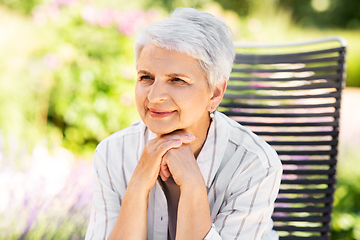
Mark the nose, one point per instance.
(157, 92)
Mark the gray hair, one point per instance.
(199, 35)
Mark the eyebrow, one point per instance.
(144, 72)
(171, 75)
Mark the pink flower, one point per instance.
(130, 21)
(63, 2)
(51, 61)
(89, 14)
(106, 17)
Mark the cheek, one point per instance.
(201, 97)
(140, 96)
(195, 103)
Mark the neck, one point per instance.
(200, 138)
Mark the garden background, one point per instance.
(66, 82)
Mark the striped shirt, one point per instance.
(241, 171)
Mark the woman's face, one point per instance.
(172, 92)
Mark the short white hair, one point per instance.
(197, 34)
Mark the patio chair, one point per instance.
(289, 94)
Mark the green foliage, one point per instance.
(76, 84)
(91, 95)
(353, 57)
(330, 13)
(346, 214)
(307, 13)
(23, 6)
(244, 8)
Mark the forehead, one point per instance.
(158, 59)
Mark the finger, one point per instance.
(164, 169)
(166, 146)
(163, 177)
(181, 135)
(187, 138)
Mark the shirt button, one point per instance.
(161, 218)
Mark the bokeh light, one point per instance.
(320, 5)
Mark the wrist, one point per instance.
(193, 186)
(138, 188)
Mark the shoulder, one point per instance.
(246, 140)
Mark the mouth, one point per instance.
(160, 113)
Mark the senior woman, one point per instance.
(184, 170)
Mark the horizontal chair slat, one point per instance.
(332, 161)
(339, 50)
(310, 172)
(241, 59)
(290, 124)
(292, 88)
(335, 76)
(302, 219)
(300, 134)
(330, 68)
(305, 96)
(331, 152)
(329, 190)
(259, 106)
(305, 200)
(282, 115)
(303, 143)
(304, 238)
(326, 209)
(302, 229)
(308, 181)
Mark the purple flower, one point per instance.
(30, 221)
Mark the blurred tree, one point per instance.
(319, 13)
(24, 6)
(241, 7)
(324, 13)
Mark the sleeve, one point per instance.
(106, 201)
(248, 204)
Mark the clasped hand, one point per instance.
(165, 155)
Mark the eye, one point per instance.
(177, 80)
(145, 78)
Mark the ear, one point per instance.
(217, 95)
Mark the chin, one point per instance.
(161, 130)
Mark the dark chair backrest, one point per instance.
(289, 94)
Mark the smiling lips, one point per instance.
(159, 113)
